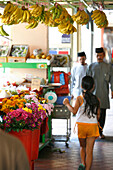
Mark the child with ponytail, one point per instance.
(87, 110)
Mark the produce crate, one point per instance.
(18, 53)
(4, 52)
(3, 59)
(48, 62)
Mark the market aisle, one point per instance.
(51, 159)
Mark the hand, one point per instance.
(72, 97)
(65, 101)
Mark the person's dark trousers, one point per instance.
(102, 120)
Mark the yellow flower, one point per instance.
(20, 106)
(27, 110)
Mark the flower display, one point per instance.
(32, 98)
(23, 112)
(15, 102)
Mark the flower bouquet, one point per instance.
(43, 104)
(22, 113)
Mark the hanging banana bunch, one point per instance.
(25, 15)
(12, 16)
(59, 14)
(99, 18)
(61, 18)
(36, 10)
(81, 17)
(67, 28)
(56, 11)
(8, 10)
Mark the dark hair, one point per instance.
(92, 103)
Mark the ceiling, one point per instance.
(95, 4)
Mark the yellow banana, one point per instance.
(15, 13)
(33, 6)
(61, 26)
(96, 15)
(103, 17)
(11, 8)
(96, 11)
(30, 25)
(28, 16)
(34, 25)
(77, 14)
(24, 17)
(69, 27)
(36, 11)
(7, 7)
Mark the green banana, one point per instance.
(34, 25)
(51, 9)
(3, 32)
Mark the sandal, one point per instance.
(81, 167)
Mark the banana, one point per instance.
(15, 13)
(95, 15)
(30, 25)
(70, 26)
(28, 16)
(51, 9)
(8, 8)
(96, 11)
(77, 14)
(33, 6)
(24, 17)
(11, 8)
(103, 17)
(81, 17)
(34, 25)
(99, 18)
(36, 11)
(3, 32)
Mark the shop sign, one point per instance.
(66, 38)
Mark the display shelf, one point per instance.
(23, 65)
(27, 65)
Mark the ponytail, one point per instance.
(92, 104)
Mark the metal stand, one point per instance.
(61, 112)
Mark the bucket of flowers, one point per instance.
(22, 117)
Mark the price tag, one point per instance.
(35, 84)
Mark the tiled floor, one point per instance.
(57, 156)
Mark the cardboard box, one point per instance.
(3, 59)
(18, 53)
(4, 52)
(16, 59)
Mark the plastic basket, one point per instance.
(61, 98)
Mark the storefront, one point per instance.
(47, 51)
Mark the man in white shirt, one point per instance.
(77, 73)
